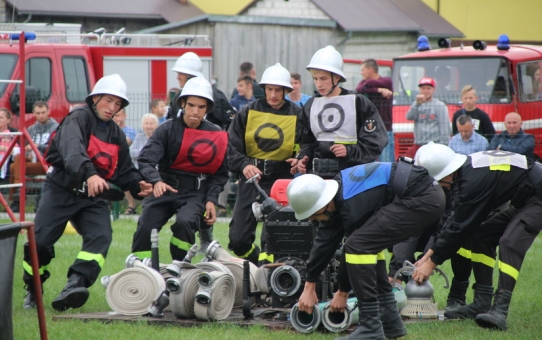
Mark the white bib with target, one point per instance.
(334, 119)
(498, 160)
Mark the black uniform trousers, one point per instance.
(389, 225)
(514, 231)
(243, 223)
(187, 205)
(89, 216)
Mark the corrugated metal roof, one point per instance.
(368, 15)
(387, 15)
(169, 10)
(222, 7)
(433, 24)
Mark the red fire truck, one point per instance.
(505, 76)
(61, 69)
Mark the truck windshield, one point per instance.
(7, 63)
(489, 76)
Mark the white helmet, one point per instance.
(276, 75)
(439, 160)
(309, 193)
(189, 63)
(111, 84)
(198, 87)
(328, 59)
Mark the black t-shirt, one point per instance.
(482, 122)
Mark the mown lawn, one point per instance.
(524, 319)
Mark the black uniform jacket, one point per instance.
(161, 151)
(369, 145)
(350, 215)
(237, 156)
(477, 192)
(67, 152)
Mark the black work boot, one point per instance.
(481, 304)
(74, 294)
(456, 297)
(389, 315)
(205, 237)
(29, 298)
(369, 325)
(496, 317)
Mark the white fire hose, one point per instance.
(236, 268)
(132, 290)
(183, 291)
(214, 299)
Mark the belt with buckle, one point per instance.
(184, 182)
(325, 165)
(270, 167)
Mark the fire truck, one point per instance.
(61, 69)
(505, 76)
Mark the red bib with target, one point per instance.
(104, 156)
(201, 151)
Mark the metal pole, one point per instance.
(22, 126)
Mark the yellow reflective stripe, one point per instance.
(147, 254)
(266, 257)
(361, 259)
(180, 244)
(86, 256)
(244, 256)
(500, 167)
(380, 256)
(483, 259)
(28, 268)
(465, 253)
(508, 269)
(352, 143)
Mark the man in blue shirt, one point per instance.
(467, 141)
(513, 139)
(244, 93)
(296, 96)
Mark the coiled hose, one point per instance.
(214, 299)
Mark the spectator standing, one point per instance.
(513, 139)
(467, 141)
(481, 121)
(296, 96)
(379, 90)
(247, 69)
(40, 132)
(158, 108)
(149, 123)
(430, 116)
(244, 93)
(120, 119)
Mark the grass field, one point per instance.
(524, 319)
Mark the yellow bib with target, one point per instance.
(498, 160)
(270, 136)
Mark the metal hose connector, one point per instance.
(337, 322)
(132, 291)
(304, 322)
(183, 291)
(215, 297)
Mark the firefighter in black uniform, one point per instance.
(374, 205)
(87, 151)
(342, 128)
(483, 182)
(261, 141)
(185, 160)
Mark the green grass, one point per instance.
(524, 318)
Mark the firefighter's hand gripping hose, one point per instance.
(214, 300)
(132, 291)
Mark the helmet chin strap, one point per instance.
(332, 83)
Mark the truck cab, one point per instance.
(506, 78)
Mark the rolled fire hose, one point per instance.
(236, 268)
(133, 290)
(304, 322)
(183, 291)
(214, 299)
(338, 322)
(261, 279)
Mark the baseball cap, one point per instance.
(427, 81)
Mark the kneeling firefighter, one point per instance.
(375, 206)
(483, 182)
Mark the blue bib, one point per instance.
(363, 177)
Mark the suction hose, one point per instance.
(337, 322)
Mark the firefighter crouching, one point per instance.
(185, 160)
(87, 151)
(375, 206)
(485, 181)
(261, 141)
